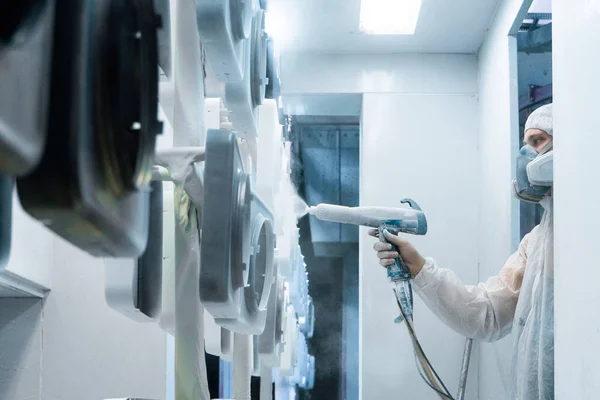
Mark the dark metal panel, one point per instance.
(349, 177)
(330, 157)
(536, 41)
(536, 95)
(320, 154)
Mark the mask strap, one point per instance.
(547, 147)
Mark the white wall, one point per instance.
(576, 173)
(394, 73)
(71, 345)
(498, 145)
(419, 146)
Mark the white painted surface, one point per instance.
(89, 350)
(576, 118)
(332, 26)
(398, 73)
(20, 351)
(423, 147)
(498, 145)
(71, 345)
(29, 268)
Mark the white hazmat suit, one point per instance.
(520, 299)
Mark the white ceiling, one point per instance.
(331, 26)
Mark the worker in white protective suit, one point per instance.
(521, 298)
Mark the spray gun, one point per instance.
(394, 220)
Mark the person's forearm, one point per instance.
(473, 311)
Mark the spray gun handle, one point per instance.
(399, 271)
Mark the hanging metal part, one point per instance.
(258, 69)
(6, 188)
(238, 243)
(270, 342)
(91, 185)
(243, 97)
(25, 45)
(224, 27)
(273, 89)
(163, 9)
(241, 18)
(128, 91)
(134, 287)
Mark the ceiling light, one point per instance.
(389, 17)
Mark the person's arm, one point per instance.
(483, 312)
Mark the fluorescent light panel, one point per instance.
(389, 17)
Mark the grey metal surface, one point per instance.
(163, 8)
(25, 82)
(269, 342)
(464, 370)
(150, 270)
(134, 287)
(258, 68)
(69, 190)
(6, 186)
(237, 242)
(330, 159)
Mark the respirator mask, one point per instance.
(534, 173)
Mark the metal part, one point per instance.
(258, 69)
(6, 188)
(270, 341)
(163, 9)
(238, 246)
(90, 186)
(464, 370)
(26, 37)
(224, 27)
(308, 325)
(242, 97)
(150, 267)
(127, 91)
(273, 89)
(537, 40)
(134, 287)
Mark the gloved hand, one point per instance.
(409, 253)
